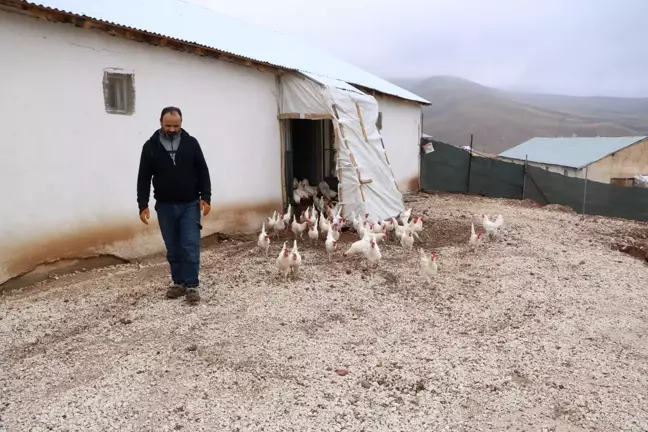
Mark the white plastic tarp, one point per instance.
(366, 180)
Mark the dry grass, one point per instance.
(545, 327)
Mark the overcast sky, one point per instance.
(578, 47)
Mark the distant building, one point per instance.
(602, 159)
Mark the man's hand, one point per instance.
(206, 208)
(145, 215)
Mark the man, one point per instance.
(181, 188)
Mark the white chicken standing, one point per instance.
(417, 225)
(405, 216)
(475, 239)
(283, 261)
(264, 240)
(330, 244)
(429, 266)
(372, 253)
(298, 228)
(279, 226)
(313, 234)
(490, 227)
(295, 258)
(272, 220)
(336, 232)
(323, 223)
(288, 214)
(407, 239)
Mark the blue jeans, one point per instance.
(180, 227)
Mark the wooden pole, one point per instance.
(469, 164)
(524, 175)
(585, 190)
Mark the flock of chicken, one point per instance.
(324, 218)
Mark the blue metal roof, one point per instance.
(188, 22)
(573, 152)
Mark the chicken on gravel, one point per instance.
(295, 258)
(429, 266)
(330, 244)
(283, 261)
(475, 239)
(372, 253)
(407, 239)
(264, 240)
(492, 228)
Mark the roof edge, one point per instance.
(35, 10)
(616, 151)
(640, 138)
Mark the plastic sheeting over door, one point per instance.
(366, 180)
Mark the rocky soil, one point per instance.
(544, 328)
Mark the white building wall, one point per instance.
(401, 132)
(68, 169)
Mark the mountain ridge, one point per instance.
(501, 119)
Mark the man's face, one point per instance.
(171, 123)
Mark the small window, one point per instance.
(379, 121)
(565, 172)
(119, 91)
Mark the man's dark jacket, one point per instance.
(184, 181)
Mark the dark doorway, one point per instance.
(310, 153)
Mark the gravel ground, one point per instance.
(544, 328)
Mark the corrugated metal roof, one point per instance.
(188, 22)
(573, 152)
(331, 82)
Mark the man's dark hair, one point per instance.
(170, 109)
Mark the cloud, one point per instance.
(581, 47)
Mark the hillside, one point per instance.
(502, 119)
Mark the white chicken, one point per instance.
(295, 258)
(429, 266)
(390, 225)
(308, 189)
(378, 227)
(407, 239)
(298, 228)
(288, 214)
(283, 261)
(405, 216)
(490, 227)
(312, 218)
(272, 220)
(336, 232)
(475, 239)
(359, 246)
(264, 240)
(297, 196)
(380, 237)
(279, 226)
(399, 229)
(313, 234)
(330, 243)
(417, 225)
(372, 253)
(323, 223)
(326, 191)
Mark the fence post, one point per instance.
(469, 164)
(524, 175)
(585, 190)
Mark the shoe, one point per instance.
(193, 296)
(175, 291)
